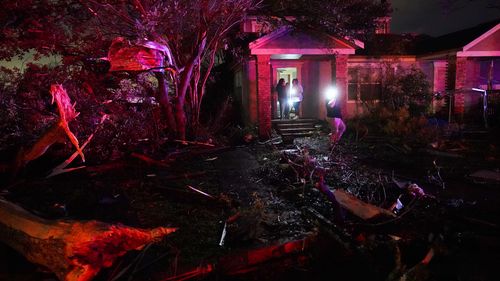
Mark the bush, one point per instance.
(398, 124)
(408, 89)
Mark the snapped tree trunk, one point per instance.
(164, 101)
(73, 250)
(57, 133)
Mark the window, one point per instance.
(488, 73)
(364, 84)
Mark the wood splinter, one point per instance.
(72, 250)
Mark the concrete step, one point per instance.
(296, 135)
(290, 129)
(293, 121)
(303, 127)
(296, 129)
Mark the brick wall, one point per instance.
(439, 84)
(264, 95)
(341, 80)
(253, 111)
(460, 82)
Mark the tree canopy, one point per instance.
(190, 32)
(354, 18)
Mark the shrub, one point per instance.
(409, 89)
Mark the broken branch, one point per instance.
(61, 168)
(73, 250)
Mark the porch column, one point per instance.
(341, 80)
(253, 112)
(460, 80)
(438, 83)
(264, 95)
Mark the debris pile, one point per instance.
(266, 211)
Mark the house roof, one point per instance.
(289, 41)
(391, 44)
(456, 40)
(480, 40)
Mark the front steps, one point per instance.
(290, 129)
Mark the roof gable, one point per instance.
(286, 40)
(486, 42)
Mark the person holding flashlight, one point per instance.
(296, 95)
(334, 111)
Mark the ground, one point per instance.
(264, 197)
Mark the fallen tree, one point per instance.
(72, 250)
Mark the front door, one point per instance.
(287, 73)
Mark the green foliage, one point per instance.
(408, 88)
(26, 109)
(9, 113)
(401, 112)
(336, 17)
(397, 124)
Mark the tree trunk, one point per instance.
(164, 101)
(184, 84)
(180, 119)
(201, 89)
(73, 250)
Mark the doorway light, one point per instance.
(286, 56)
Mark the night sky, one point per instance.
(438, 17)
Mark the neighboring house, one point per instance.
(457, 61)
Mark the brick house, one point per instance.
(457, 61)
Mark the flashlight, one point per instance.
(292, 97)
(331, 93)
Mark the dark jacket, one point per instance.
(281, 91)
(333, 112)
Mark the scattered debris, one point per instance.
(247, 261)
(200, 192)
(289, 187)
(487, 175)
(359, 208)
(397, 206)
(148, 160)
(185, 176)
(184, 142)
(223, 235)
(61, 168)
(415, 190)
(443, 154)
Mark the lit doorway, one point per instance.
(287, 73)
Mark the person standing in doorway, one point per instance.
(334, 111)
(282, 98)
(287, 101)
(296, 95)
